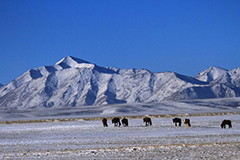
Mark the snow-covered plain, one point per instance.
(83, 139)
(164, 108)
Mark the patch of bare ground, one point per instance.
(99, 118)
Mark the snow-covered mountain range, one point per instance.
(74, 82)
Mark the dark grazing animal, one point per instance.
(116, 122)
(187, 122)
(147, 121)
(104, 121)
(177, 120)
(226, 122)
(125, 122)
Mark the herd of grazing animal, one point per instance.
(148, 121)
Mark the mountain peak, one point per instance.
(71, 59)
(72, 62)
(211, 74)
(216, 68)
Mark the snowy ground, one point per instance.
(90, 140)
(217, 105)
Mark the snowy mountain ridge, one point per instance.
(74, 82)
(211, 74)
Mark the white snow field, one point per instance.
(88, 139)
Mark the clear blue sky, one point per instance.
(183, 36)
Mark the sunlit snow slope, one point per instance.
(74, 82)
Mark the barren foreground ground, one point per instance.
(90, 140)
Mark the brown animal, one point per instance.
(104, 121)
(116, 122)
(125, 122)
(177, 120)
(187, 122)
(147, 121)
(226, 122)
